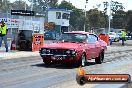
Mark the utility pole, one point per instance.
(110, 16)
(24, 16)
(25, 5)
(46, 12)
(85, 15)
(32, 5)
(32, 16)
(85, 19)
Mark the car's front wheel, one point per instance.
(81, 61)
(100, 59)
(47, 62)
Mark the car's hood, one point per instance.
(64, 45)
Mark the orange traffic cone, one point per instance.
(13, 45)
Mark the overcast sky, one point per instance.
(92, 3)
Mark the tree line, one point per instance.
(95, 18)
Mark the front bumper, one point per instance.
(59, 58)
(62, 55)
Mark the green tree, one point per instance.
(0, 3)
(129, 21)
(106, 4)
(19, 5)
(41, 6)
(66, 5)
(53, 3)
(76, 17)
(5, 5)
(115, 6)
(119, 20)
(119, 16)
(96, 18)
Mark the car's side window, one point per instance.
(92, 38)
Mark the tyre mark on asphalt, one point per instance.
(18, 61)
(120, 69)
(24, 62)
(67, 75)
(117, 56)
(39, 75)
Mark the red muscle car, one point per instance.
(74, 47)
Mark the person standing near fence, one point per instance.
(3, 34)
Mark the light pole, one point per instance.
(46, 12)
(85, 15)
(110, 16)
(32, 16)
(85, 19)
(25, 5)
(32, 5)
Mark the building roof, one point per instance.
(59, 9)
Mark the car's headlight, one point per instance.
(44, 50)
(73, 52)
(68, 52)
(48, 50)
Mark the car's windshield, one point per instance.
(72, 37)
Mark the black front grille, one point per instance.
(58, 51)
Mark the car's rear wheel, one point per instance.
(47, 62)
(100, 59)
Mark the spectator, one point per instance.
(3, 34)
(123, 34)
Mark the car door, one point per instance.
(90, 46)
(97, 46)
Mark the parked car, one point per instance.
(50, 35)
(114, 36)
(75, 48)
(127, 37)
(120, 37)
